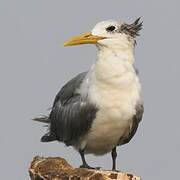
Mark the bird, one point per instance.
(100, 109)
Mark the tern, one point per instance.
(100, 109)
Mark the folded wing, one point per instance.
(72, 115)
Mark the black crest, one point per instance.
(132, 29)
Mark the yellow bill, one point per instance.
(87, 38)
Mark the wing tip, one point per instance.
(48, 137)
(43, 119)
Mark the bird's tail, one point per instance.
(43, 119)
(48, 136)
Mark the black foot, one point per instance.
(86, 166)
(89, 167)
(114, 155)
(112, 170)
(115, 170)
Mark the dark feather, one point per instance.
(136, 120)
(72, 115)
(72, 120)
(132, 29)
(43, 119)
(68, 90)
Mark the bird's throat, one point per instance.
(111, 63)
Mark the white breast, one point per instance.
(114, 87)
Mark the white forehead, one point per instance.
(100, 28)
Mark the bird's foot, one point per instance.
(115, 170)
(86, 166)
(89, 167)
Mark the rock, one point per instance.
(58, 169)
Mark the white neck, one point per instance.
(112, 78)
(124, 52)
(111, 64)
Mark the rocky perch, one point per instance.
(58, 169)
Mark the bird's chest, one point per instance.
(109, 128)
(117, 97)
(114, 117)
(113, 121)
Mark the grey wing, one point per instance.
(71, 116)
(68, 90)
(136, 120)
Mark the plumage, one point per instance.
(132, 29)
(72, 115)
(136, 120)
(69, 89)
(100, 109)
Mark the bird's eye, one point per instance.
(110, 28)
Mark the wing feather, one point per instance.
(136, 120)
(72, 115)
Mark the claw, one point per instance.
(89, 167)
(86, 166)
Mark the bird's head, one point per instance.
(110, 33)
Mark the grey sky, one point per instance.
(34, 66)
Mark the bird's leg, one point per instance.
(85, 165)
(114, 155)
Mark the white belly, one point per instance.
(116, 99)
(108, 129)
